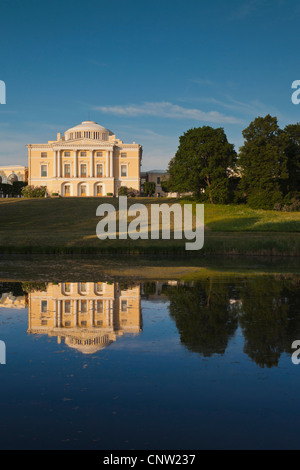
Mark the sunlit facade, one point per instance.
(88, 160)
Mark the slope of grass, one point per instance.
(68, 225)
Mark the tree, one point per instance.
(293, 158)
(202, 164)
(149, 188)
(263, 163)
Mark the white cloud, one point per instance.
(165, 109)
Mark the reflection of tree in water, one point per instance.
(266, 308)
(204, 315)
(270, 318)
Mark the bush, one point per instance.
(109, 194)
(34, 191)
(130, 192)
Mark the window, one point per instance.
(83, 171)
(99, 190)
(67, 287)
(97, 135)
(44, 306)
(99, 287)
(67, 306)
(67, 170)
(83, 323)
(99, 323)
(99, 154)
(67, 191)
(82, 287)
(83, 154)
(158, 180)
(123, 154)
(82, 190)
(99, 171)
(99, 306)
(77, 135)
(43, 154)
(44, 171)
(124, 306)
(44, 322)
(123, 170)
(71, 136)
(68, 323)
(83, 306)
(104, 136)
(67, 154)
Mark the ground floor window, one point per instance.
(67, 191)
(99, 190)
(82, 190)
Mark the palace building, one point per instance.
(88, 316)
(88, 160)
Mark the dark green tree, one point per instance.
(149, 188)
(293, 158)
(203, 164)
(204, 317)
(263, 163)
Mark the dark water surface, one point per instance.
(205, 364)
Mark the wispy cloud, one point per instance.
(165, 109)
(244, 9)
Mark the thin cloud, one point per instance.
(167, 110)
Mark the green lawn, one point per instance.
(68, 225)
(240, 218)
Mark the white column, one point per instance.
(54, 163)
(92, 313)
(55, 313)
(75, 164)
(111, 171)
(59, 163)
(107, 164)
(91, 164)
(111, 313)
(107, 311)
(75, 306)
(59, 313)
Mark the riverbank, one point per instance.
(68, 226)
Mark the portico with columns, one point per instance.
(88, 160)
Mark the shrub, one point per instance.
(34, 191)
(109, 194)
(130, 192)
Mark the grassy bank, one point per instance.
(68, 226)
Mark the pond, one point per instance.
(150, 364)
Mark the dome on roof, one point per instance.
(88, 129)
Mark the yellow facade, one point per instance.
(88, 160)
(88, 315)
(11, 173)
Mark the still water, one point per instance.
(150, 365)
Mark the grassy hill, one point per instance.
(68, 225)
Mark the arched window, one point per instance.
(12, 178)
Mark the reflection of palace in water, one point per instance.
(88, 316)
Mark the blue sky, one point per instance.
(147, 70)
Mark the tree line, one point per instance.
(265, 173)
